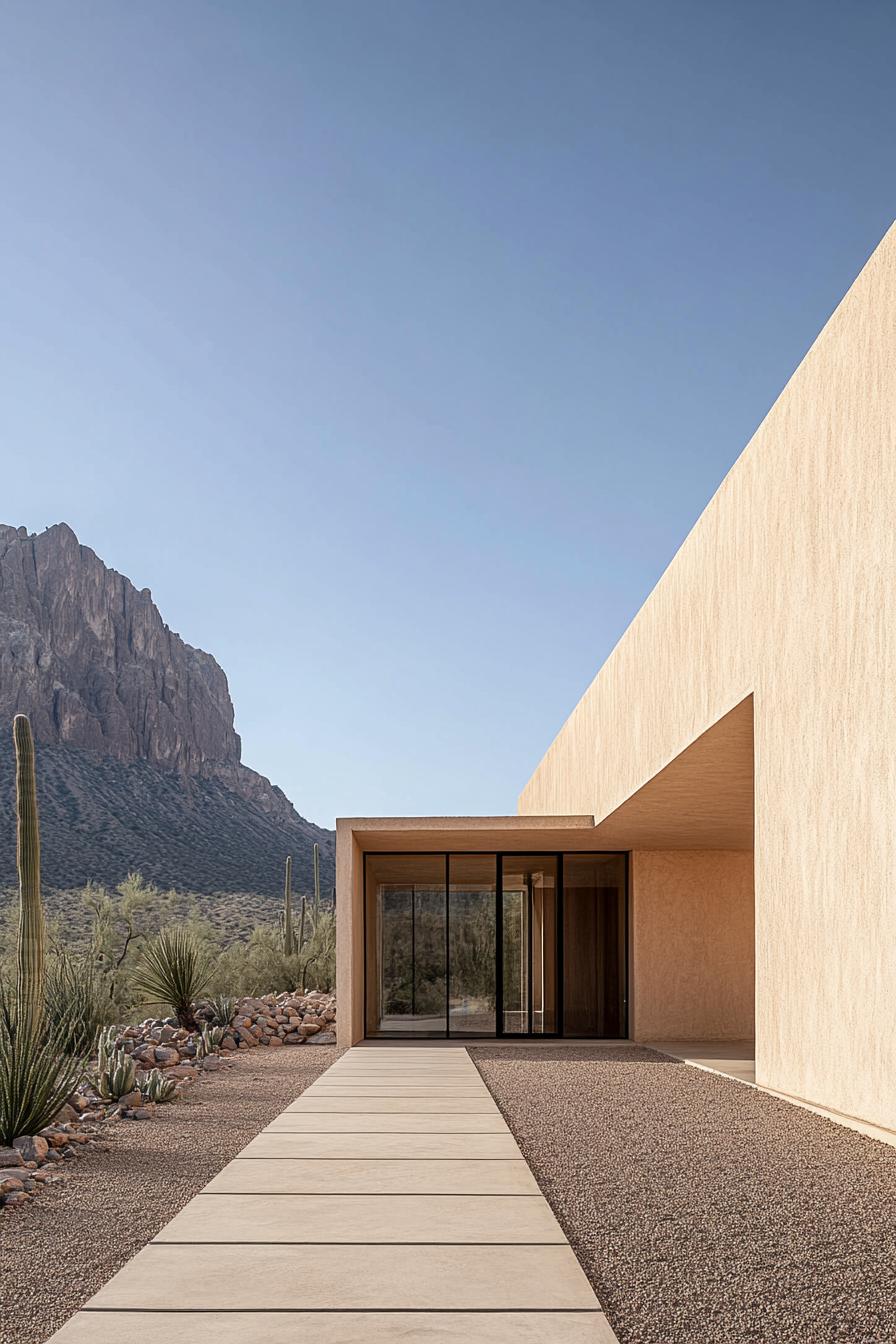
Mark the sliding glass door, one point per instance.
(472, 997)
(496, 945)
(406, 953)
(529, 944)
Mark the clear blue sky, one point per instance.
(396, 346)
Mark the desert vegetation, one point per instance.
(124, 1010)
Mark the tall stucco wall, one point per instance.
(691, 940)
(786, 588)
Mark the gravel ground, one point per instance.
(59, 1249)
(704, 1211)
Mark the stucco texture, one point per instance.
(691, 946)
(786, 590)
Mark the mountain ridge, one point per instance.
(126, 710)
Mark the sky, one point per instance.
(396, 345)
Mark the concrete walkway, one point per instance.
(390, 1202)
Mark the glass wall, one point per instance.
(496, 944)
(472, 889)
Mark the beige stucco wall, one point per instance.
(691, 946)
(786, 589)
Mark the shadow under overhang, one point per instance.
(703, 799)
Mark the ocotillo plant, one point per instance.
(30, 961)
(316, 881)
(289, 941)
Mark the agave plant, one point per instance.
(156, 1087)
(116, 1072)
(174, 969)
(37, 1074)
(208, 1040)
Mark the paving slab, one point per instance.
(403, 1076)
(478, 1105)
(398, 1090)
(475, 1219)
(365, 1278)
(403, 1146)
(393, 1122)
(388, 1176)
(337, 1327)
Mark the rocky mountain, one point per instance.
(138, 759)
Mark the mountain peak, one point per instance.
(88, 657)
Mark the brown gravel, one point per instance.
(704, 1211)
(59, 1249)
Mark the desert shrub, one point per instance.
(37, 1073)
(122, 923)
(76, 1005)
(318, 956)
(174, 969)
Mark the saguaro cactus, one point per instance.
(289, 939)
(316, 882)
(30, 959)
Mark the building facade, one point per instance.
(707, 850)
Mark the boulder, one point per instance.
(32, 1147)
(11, 1157)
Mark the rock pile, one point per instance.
(283, 1019)
(272, 1020)
(37, 1159)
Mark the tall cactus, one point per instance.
(289, 939)
(30, 959)
(316, 882)
(302, 927)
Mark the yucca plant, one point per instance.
(222, 1006)
(37, 1074)
(174, 969)
(156, 1087)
